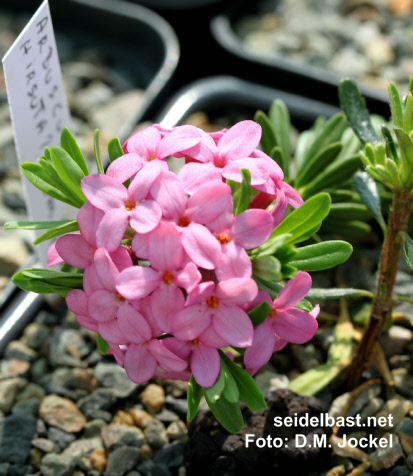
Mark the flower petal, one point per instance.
(236, 291)
(166, 252)
(188, 277)
(180, 139)
(140, 245)
(103, 306)
(53, 257)
(294, 325)
(252, 228)
(75, 250)
(212, 339)
(145, 142)
(121, 258)
(234, 263)
(139, 364)
(137, 282)
(104, 192)
(294, 291)
(193, 175)
(168, 191)
(167, 359)
(201, 246)
(112, 228)
(106, 270)
(139, 188)
(125, 167)
(91, 281)
(110, 332)
(145, 216)
(76, 301)
(233, 325)
(165, 303)
(257, 167)
(191, 322)
(240, 140)
(133, 324)
(262, 347)
(205, 365)
(218, 197)
(89, 218)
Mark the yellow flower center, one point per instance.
(212, 301)
(168, 278)
(129, 205)
(223, 238)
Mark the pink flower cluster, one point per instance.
(167, 278)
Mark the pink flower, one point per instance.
(220, 307)
(226, 158)
(285, 323)
(164, 278)
(189, 215)
(123, 204)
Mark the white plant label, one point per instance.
(38, 108)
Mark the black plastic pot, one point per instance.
(131, 39)
(235, 98)
(277, 70)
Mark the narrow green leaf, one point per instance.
(194, 395)
(69, 172)
(321, 256)
(314, 380)
(304, 142)
(408, 116)
(245, 192)
(65, 227)
(34, 225)
(114, 149)
(390, 144)
(356, 112)
(333, 176)
(350, 230)
(268, 138)
(54, 278)
(369, 193)
(267, 267)
(336, 293)
(36, 286)
(317, 163)
(406, 152)
(395, 105)
(269, 247)
(96, 149)
(68, 143)
(408, 249)
(230, 392)
(304, 218)
(280, 119)
(103, 346)
(249, 391)
(227, 413)
(55, 180)
(41, 180)
(349, 211)
(259, 313)
(278, 157)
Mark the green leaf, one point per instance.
(268, 138)
(369, 193)
(406, 152)
(336, 293)
(321, 256)
(103, 346)
(227, 413)
(55, 180)
(114, 149)
(68, 143)
(304, 218)
(96, 149)
(267, 267)
(36, 286)
(408, 116)
(280, 119)
(390, 144)
(230, 392)
(304, 142)
(34, 225)
(349, 211)
(54, 278)
(333, 176)
(214, 393)
(395, 105)
(330, 132)
(356, 112)
(278, 157)
(62, 229)
(69, 172)
(317, 163)
(350, 230)
(407, 249)
(244, 192)
(39, 177)
(259, 313)
(249, 391)
(194, 395)
(269, 247)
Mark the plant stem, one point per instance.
(383, 303)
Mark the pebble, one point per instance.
(155, 434)
(93, 428)
(9, 389)
(72, 382)
(98, 459)
(395, 340)
(153, 398)
(115, 435)
(16, 435)
(177, 405)
(123, 418)
(269, 380)
(363, 398)
(177, 431)
(57, 465)
(403, 382)
(44, 445)
(122, 460)
(35, 335)
(62, 413)
(83, 447)
(28, 407)
(110, 375)
(67, 347)
(371, 409)
(60, 438)
(338, 404)
(17, 350)
(97, 403)
(13, 253)
(398, 407)
(385, 458)
(170, 455)
(405, 432)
